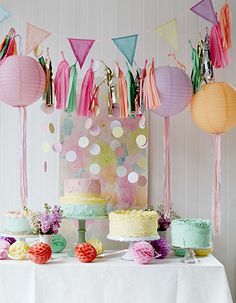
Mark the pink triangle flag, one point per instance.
(205, 9)
(34, 36)
(81, 48)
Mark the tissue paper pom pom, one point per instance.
(10, 240)
(180, 252)
(58, 243)
(143, 252)
(97, 245)
(85, 252)
(40, 253)
(4, 245)
(3, 254)
(19, 250)
(161, 248)
(203, 252)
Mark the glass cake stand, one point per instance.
(128, 256)
(190, 257)
(82, 228)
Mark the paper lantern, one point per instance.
(40, 253)
(22, 81)
(213, 108)
(174, 89)
(58, 243)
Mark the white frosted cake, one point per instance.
(133, 223)
(82, 198)
(191, 233)
(16, 222)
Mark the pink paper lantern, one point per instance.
(174, 88)
(22, 81)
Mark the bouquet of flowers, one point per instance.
(46, 222)
(164, 223)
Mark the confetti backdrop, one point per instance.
(108, 148)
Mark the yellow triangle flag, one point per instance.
(34, 36)
(169, 32)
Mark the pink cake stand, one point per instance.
(128, 256)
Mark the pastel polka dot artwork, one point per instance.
(70, 156)
(114, 144)
(117, 131)
(94, 169)
(95, 130)
(88, 123)
(115, 123)
(83, 142)
(121, 171)
(133, 177)
(106, 147)
(94, 149)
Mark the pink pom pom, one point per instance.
(143, 252)
(3, 254)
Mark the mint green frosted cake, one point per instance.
(191, 233)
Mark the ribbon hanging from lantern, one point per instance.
(166, 170)
(23, 157)
(217, 184)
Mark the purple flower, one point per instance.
(50, 220)
(164, 223)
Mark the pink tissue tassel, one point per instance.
(217, 185)
(23, 157)
(166, 170)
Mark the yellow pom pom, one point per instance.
(203, 252)
(97, 245)
(19, 250)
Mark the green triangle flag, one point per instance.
(127, 45)
(169, 32)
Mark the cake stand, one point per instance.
(82, 228)
(131, 240)
(190, 257)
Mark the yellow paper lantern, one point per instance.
(213, 108)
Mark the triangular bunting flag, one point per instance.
(205, 9)
(34, 36)
(81, 48)
(4, 13)
(169, 32)
(127, 45)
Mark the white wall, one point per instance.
(191, 149)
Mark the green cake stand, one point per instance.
(82, 228)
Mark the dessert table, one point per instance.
(112, 280)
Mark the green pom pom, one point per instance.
(180, 252)
(58, 243)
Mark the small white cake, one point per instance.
(16, 222)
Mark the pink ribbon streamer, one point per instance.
(166, 169)
(217, 185)
(23, 157)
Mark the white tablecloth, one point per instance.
(112, 280)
